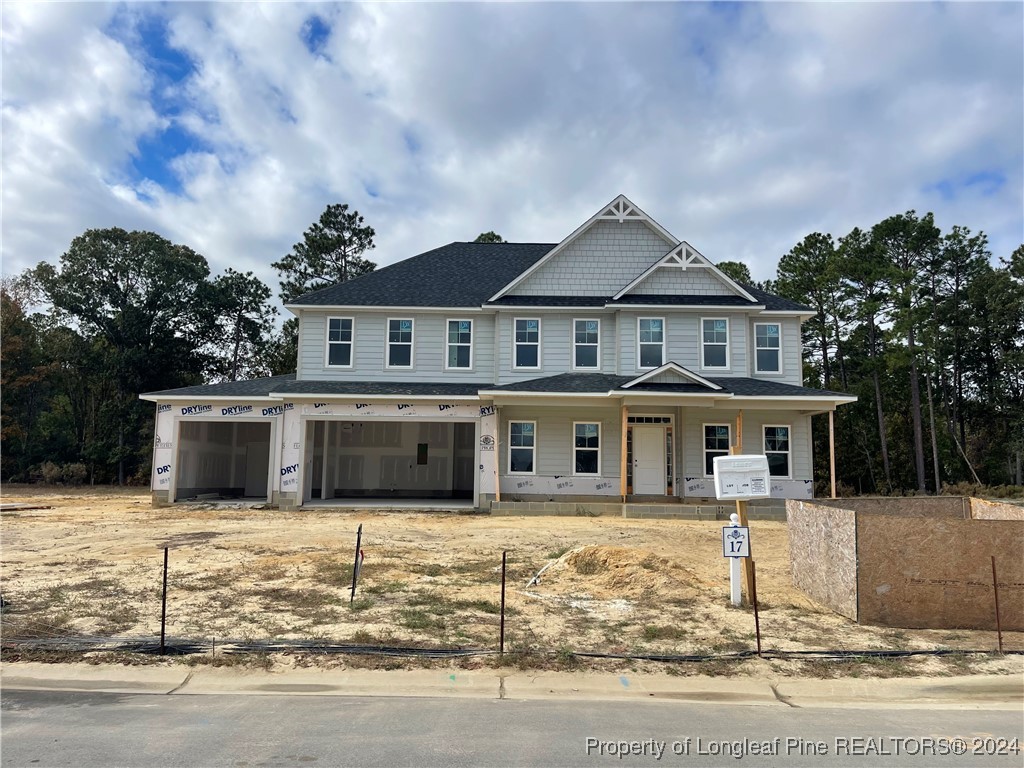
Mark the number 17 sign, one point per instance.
(736, 541)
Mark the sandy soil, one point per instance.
(91, 565)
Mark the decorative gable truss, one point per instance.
(684, 271)
(636, 244)
(671, 373)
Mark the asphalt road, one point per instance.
(85, 730)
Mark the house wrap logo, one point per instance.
(192, 410)
(277, 410)
(164, 408)
(236, 410)
(159, 444)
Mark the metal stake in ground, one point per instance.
(995, 591)
(163, 606)
(501, 631)
(753, 599)
(355, 565)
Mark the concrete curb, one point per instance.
(991, 692)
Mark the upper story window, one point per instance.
(714, 348)
(767, 347)
(522, 447)
(651, 335)
(716, 443)
(339, 342)
(527, 343)
(776, 450)
(400, 343)
(587, 449)
(586, 343)
(460, 344)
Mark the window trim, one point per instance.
(778, 371)
(598, 345)
(508, 458)
(664, 333)
(728, 345)
(448, 344)
(704, 445)
(515, 344)
(388, 343)
(789, 453)
(600, 440)
(328, 342)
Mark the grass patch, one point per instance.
(384, 587)
(653, 632)
(330, 570)
(557, 553)
(362, 604)
(414, 618)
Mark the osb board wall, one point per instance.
(938, 574)
(823, 556)
(918, 506)
(995, 510)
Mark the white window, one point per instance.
(586, 343)
(651, 340)
(527, 343)
(400, 343)
(776, 448)
(339, 342)
(767, 347)
(714, 342)
(716, 443)
(460, 344)
(587, 448)
(522, 447)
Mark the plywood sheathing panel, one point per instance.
(904, 506)
(823, 554)
(995, 510)
(938, 573)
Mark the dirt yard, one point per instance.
(91, 565)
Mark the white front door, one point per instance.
(649, 460)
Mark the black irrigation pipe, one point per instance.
(183, 647)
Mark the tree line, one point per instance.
(919, 324)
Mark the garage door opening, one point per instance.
(389, 460)
(222, 460)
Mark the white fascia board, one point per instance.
(658, 229)
(675, 395)
(516, 393)
(375, 308)
(694, 307)
(203, 398)
(521, 308)
(786, 313)
(791, 402)
(359, 398)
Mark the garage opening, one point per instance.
(221, 460)
(390, 460)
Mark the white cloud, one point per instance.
(741, 128)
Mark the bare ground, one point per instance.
(91, 565)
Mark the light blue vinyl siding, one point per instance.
(682, 340)
(556, 343)
(370, 348)
(694, 420)
(554, 437)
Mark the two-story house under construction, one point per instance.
(612, 366)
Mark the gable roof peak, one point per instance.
(621, 210)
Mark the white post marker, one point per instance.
(735, 546)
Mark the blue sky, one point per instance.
(739, 127)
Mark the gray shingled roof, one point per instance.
(574, 383)
(454, 275)
(468, 274)
(600, 383)
(250, 388)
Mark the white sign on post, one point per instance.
(742, 477)
(736, 541)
